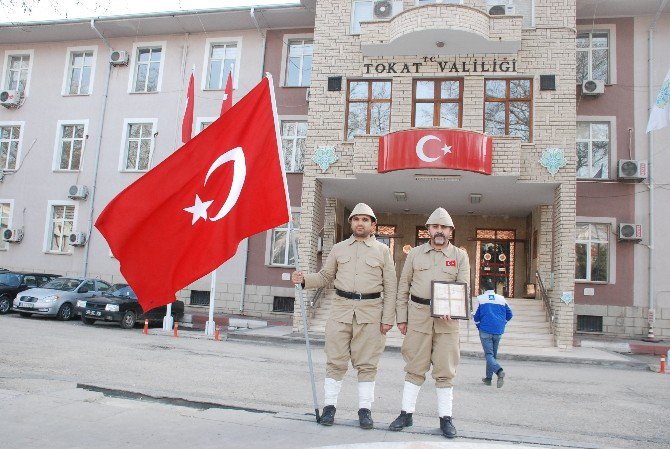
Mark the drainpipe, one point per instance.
(650, 140)
(97, 155)
(263, 36)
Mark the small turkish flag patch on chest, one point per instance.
(450, 263)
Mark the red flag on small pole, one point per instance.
(228, 93)
(186, 217)
(187, 123)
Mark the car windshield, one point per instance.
(11, 280)
(65, 284)
(121, 291)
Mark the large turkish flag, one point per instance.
(186, 216)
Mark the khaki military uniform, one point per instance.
(430, 340)
(353, 327)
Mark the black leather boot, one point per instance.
(403, 420)
(328, 415)
(447, 427)
(365, 418)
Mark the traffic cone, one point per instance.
(217, 331)
(662, 369)
(146, 327)
(176, 329)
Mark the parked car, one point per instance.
(120, 304)
(14, 282)
(58, 297)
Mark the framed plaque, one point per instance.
(449, 298)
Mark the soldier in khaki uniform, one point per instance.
(362, 269)
(430, 341)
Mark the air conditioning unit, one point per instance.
(307, 93)
(593, 87)
(78, 192)
(382, 9)
(11, 98)
(629, 170)
(12, 235)
(77, 238)
(118, 57)
(502, 10)
(319, 244)
(630, 231)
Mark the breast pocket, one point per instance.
(421, 266)
(373, 265)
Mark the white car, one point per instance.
(58, 297)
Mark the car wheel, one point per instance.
(87, 321)
(25, 314)
(65, 312)
(128, 320)
(5, 304)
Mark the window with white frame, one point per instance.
(61, 224)
(299, 63)
(5, 214)
(70, 146)
(593, 55)
(293, 137)
(10, 138)
(18, 71)
(138, 146)
(361, 11)
(282, 243)
(222, 60)
(592, 252)
(79, 72)
(593, 150)
(147, 72)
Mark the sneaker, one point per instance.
(501, 378)
(328, 416)
(447, 427)
(486, 380)
(403, 420)
(365, 418)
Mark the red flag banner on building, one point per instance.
(187, 123)
(186, 217)
(228, 94)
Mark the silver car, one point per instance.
(58, 297)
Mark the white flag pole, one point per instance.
(294, 242)
(210, 325)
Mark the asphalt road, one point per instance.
(558, 404)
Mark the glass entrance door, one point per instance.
(495, 261)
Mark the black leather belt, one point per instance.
(425, 302)
(357, 296)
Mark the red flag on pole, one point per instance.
(186, 217)
(187, 123)
(228, 94)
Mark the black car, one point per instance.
(14, 282)
(119, 304)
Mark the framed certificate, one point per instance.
(449, 298)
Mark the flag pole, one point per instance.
(294, 243)
(210, 325)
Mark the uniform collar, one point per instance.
(445, 250)
(368, 241)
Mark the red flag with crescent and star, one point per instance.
(186, 217)
(228, 94)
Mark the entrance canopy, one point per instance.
(421, 191)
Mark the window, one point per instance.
(293, 137)
(61, 224)
(592, 252)
(593, 150)
(102, 286)
(361, 11)
(437, 103)
(299, 64)
(385, 234)
(508, 108)
(593, 56)
(589, 323)
(70, 146)
(147, 68)
(10, 139)
(17, 72)
(138, 144)
(222, 60)
(199, 298)
(282, 244)
(79, 76)
(368, 108)
(283, 304)
(5, 215)
(88, 285)
(450, 2)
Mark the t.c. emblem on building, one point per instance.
(325, 157)
(553, 159)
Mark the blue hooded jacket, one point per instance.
(493, 313)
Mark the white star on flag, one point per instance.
(199, 209)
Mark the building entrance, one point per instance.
(495, 260)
